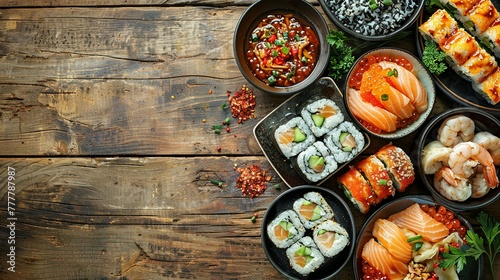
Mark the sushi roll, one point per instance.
(479, 66)
(357, 189)
(322, 116)
(398, 164)
(285, 229)
(293, 137)
(492, 37)
(479, 17)
(312, 209)
(315, 163)
(459, 47)
(490, 88)
(380, 181)
(439, 26)
(461, 6)
(345, 142)
(305, 256)
(331, 238)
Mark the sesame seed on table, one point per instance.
(133, 145)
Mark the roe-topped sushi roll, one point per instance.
(357, 189)
(331, 238)
(285, 229)
(377, 175)
(399, 165)
(293, 137)
(322, 116)
(345, 141)
(315, 163)
(305, 256)
(312, 209)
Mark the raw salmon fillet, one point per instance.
(378, 256)
(393, 239)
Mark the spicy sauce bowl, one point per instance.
(371, 111)
(297, 69)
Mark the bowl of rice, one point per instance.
(373, 20)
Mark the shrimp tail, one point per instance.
(490, 175)
(447, 174)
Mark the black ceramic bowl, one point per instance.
(419, 71)
(473, 269)
(249, 20)
(342, 215)
(483, 122)
(336, 17)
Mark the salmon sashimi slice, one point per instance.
(373, 115)
(327, 111)
(393, 239)
(407, 83)
(280, 233)
(380, 258)
(416, 220)
(374, 81)
(286, 137)
(307, 211)
(327, 239)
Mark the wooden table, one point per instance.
(106, 114)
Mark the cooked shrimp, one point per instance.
(451, 186)
(435, 155)
(478, 183)
(467, 155)
(456, 129)
(490, 142)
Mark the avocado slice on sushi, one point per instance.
(317, 119)
(316, 163)
(347, 141)
(304, 251)
(298, 135)
(287, 226)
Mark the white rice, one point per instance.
(317, 257)
(328, 123)
(326, 212)
(333, 143)
(298, 229)
(341, 238)
(358, 16)
(319, 149)
(294, 148)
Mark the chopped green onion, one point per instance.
(274, 53)
(382, 182)
(224, 105)
(417, 246)
(217, 183)
(285, 35)
(253, 219)
(285, 50)
(267, 33)
(387, 2)
(227, 121)
(255, 37)
(297, 37)
(373, 4)
(277, 187)
(384, 97)
(268, 45)
(414, 238)
(304, 59)
(393, 72)
(271, 80)
(279, 42)
(275, 73)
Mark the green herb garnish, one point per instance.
(491, 230)
(433, 58)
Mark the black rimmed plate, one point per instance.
(473, 269)
(342, 215)
(452, 84)
(324, 87)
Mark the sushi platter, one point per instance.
(264, 130)
(455, 86)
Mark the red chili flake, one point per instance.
(228, 129)
(242, 104)
(218, 149)
(210, 91)
(252, 180)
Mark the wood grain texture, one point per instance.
(142, 218)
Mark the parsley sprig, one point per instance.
(342, 55)
(491, 230)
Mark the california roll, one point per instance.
(285, 229)
(312, 209)
(331, 238)
(345, 142)
(322, 116)
(315, 163)
(305, 256)
(293, 137)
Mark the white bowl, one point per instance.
(422, 74)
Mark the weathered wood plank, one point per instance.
(140, 218)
